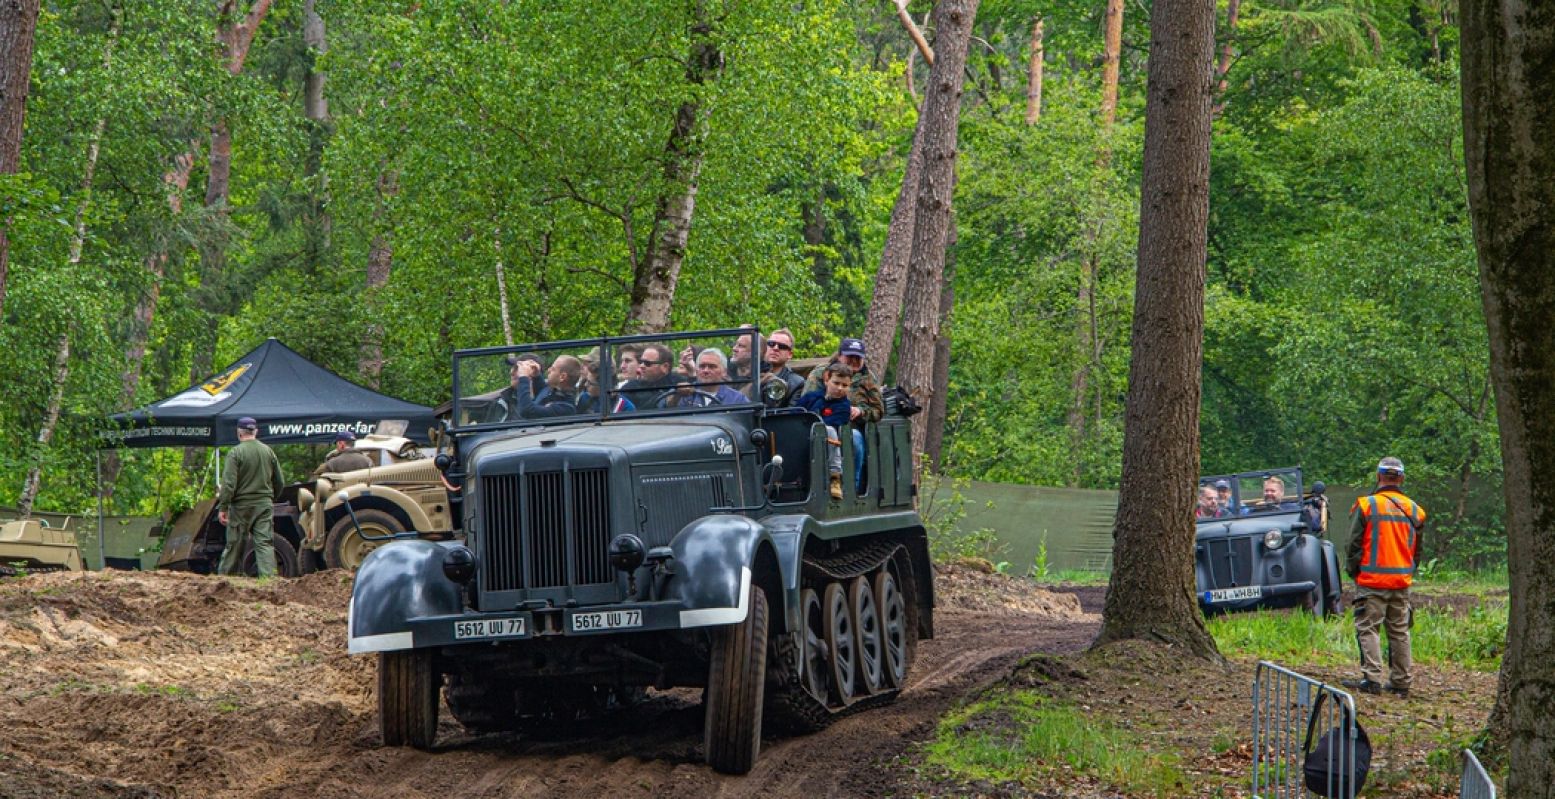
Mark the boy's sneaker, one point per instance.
(1401, 693)
(1364, 686)
(836, 486)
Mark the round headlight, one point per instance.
(458, 564)
(1272, 539)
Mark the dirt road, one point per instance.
(167, 684)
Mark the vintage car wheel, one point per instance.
(345, 549)
(895, 642)
(736, 682)
(866, 626)
(840, 643)
(310, 561)
(285, 559)
(813, 660)
(407, 698)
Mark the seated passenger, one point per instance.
(521, 400)
(1209, 504)
(1223, 494)
(868, 405)
(655, 375)
(712, 372)
(343, 458)
(832, 405)
(1273, 497)
(777, 353)
(590, 392)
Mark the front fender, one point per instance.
(398, 582)
(715, 560)
(402, 501)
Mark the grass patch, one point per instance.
(1474, 640)
(1079, 577)
(1023, 736)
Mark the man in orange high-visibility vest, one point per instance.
(1385, 529)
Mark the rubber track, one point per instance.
(7, 571)
(789, 705)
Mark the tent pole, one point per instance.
(102, 552)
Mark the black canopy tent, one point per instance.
(294, 400)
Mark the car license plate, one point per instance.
(1234, 594)
(489, 628)
(606, 620)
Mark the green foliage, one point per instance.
(1020, 736)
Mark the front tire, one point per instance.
(345, 549)
(736, 678)
(408, 685)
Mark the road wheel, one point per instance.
(841, 643)
(736, 679)
(866, 626)
(408, 684)
(285, 558)
(814, 662)
(344, 549)
(896, 639)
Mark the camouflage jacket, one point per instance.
(865, 394)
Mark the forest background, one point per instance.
(378, 183)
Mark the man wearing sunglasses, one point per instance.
(655, 375)
(778, 352)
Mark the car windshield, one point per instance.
(570, 381)
(1248, 494)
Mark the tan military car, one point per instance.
(26, 546)
(402, 492)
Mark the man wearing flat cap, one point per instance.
(1384, 552)
(251, 483)
(343, 458)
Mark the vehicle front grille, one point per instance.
(1230, 561)
(545, 529)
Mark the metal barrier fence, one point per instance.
(1305, 738)
(1475, 783)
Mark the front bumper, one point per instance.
(1278, 595)
(482, 628)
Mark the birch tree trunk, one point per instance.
(1509, 147)
(18, 25)
(1034, 76)
(502, 289)
(318, 225)
(936, 186)
(1150, 595)
(46, 433)
(380, 264)
(653, 284)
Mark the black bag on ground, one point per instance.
(899, 402)
(1337, 766)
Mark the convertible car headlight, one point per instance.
(1272, 539)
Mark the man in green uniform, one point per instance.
(249, 486)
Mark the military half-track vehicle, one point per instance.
(402, 491)
(684, 542)
(28, 546)
(1261, 544)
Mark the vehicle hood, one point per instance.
(1249, 525)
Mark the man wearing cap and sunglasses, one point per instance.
(251, 483)
(1384, 552)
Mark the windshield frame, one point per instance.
(608, 349)
(1295, 493)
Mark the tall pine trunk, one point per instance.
(653, 284)
(1150, 595)
(936, 187)
(885, 305)
(380, 265)
(18, 26)
(1509, 147)
(32, 484)
(934, 443)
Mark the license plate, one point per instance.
(489, 628)
(1234, 594)
(606, 620)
